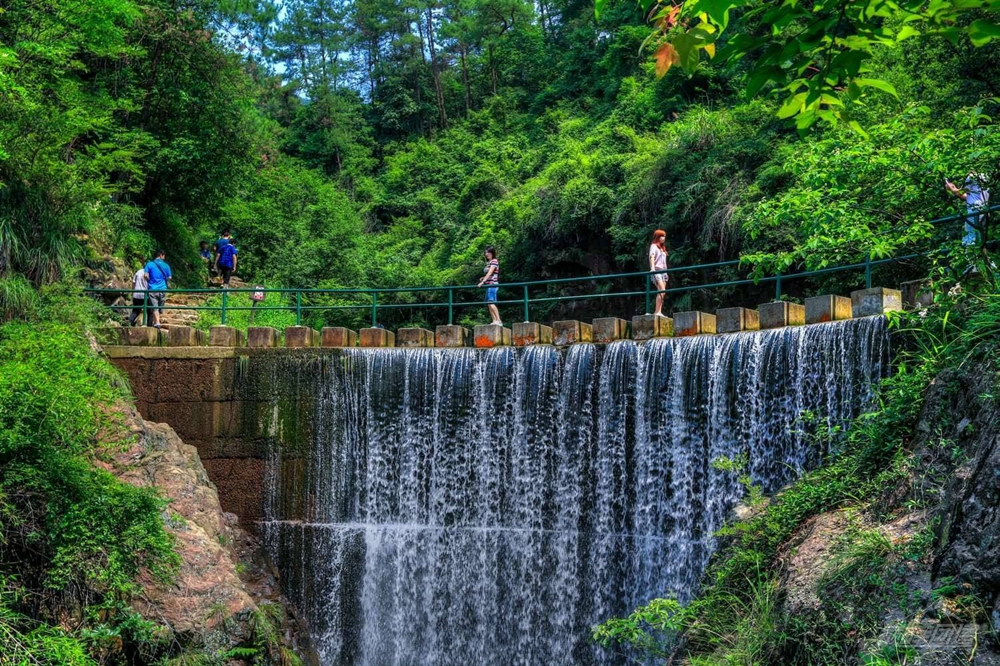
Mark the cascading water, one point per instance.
(461, 506)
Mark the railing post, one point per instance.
(649, 281)
(451, 306)
(526, 318)
(298, 308)
(225, 301)
(868, 270)
(374, 309)
(777, 287)
(145, 308)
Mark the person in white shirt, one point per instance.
(658, 262)
(140, 284)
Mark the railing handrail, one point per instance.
(374, 306)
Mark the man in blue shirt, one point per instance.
(227, 261)
(158, 274)
(219, 244)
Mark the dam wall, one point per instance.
(463, 505)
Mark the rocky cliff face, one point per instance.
(918, 572)
(216, 599)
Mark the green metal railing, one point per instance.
(525, 300)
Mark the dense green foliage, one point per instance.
(383, 144)
(72, 537)
(813, 52)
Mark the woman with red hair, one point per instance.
(657, 263)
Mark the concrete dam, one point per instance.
(488, 506)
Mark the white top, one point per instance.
(657, 258)
(139, 281)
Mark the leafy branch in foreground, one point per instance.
(814, 52)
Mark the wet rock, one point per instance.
(210, 600)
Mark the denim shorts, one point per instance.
(491, 294)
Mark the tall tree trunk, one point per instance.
(435, 70)
(465, 80)
(493, 68)
(416, 70)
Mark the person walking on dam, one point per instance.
(158, 274)
(491, 278)
(658, 262)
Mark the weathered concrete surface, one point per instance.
(262, 336)
(338, 336)
(123, 352)
(226, 336)
(780, 314)
(185, 336)
(136, 336)
(300, 337)
(491, 335)
(693, 323)
(733, 320)
(191, 389)
(531, 333)
(377, 337)
(570, 332)
(452, 336)
(111, 335)
(647, 327)
(414, 337)
(916, 294)
(875, 301)
(821, 309)
(609, 329)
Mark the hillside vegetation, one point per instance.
(386, 144)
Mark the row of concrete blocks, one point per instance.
(816, 310)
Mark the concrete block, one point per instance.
(338, 336)
(646, 327)
(491, 335)
(781, 313)
(185, 336)
(112, 335)
(734, 320)
(299, 337)
(452, 336)
(820, 309)
(142, 336)
(414, 337)
(916, 294)
(571, 331)
(262, 336)
(531, 333)
(875, 301)
(377, 337)
(609, 329)
(693, 323)
(226, 336)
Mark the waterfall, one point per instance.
(464, 506)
